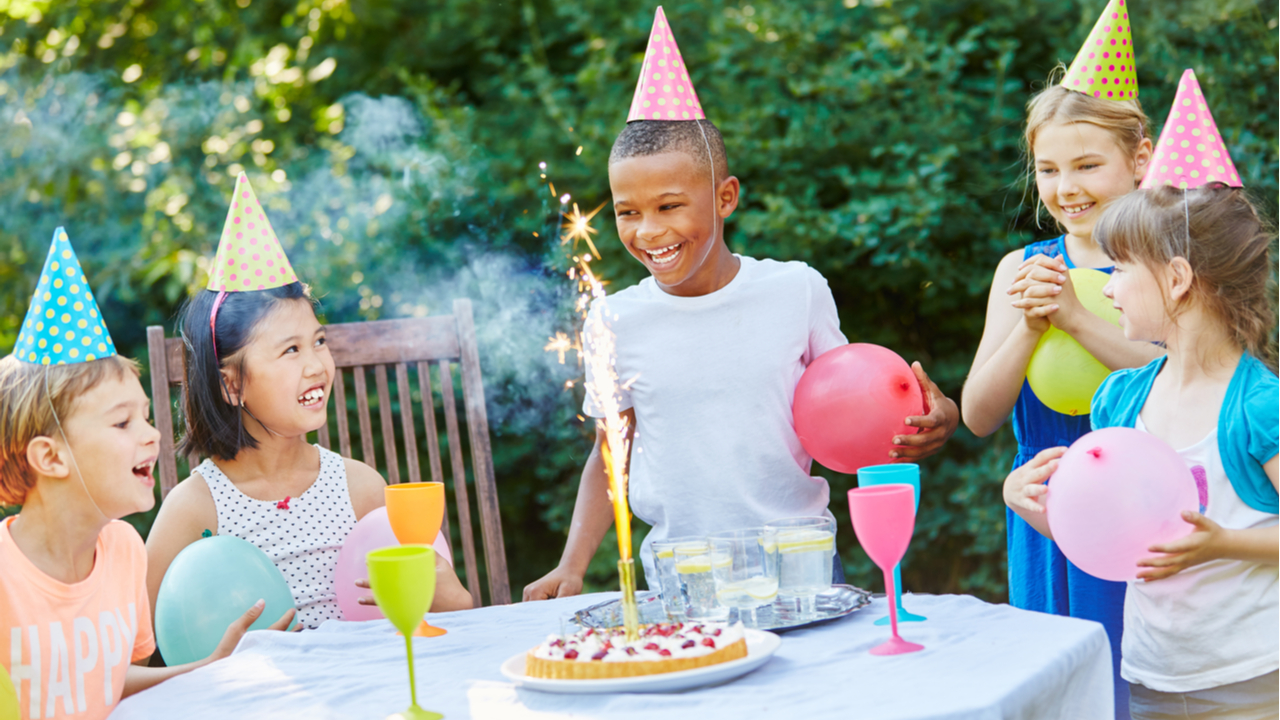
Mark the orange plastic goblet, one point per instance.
(416, 512)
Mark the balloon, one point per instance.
(1117, 492)
(9, 708)
(851, 402)
(1061, 372)
(372, 532)
(211, 583)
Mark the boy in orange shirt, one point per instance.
(77, 452)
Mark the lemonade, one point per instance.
(804, 558)
(694, 570)
(806, 550)
(748, 594)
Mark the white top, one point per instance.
(302, 540)
(1213, 624)
(711, 380)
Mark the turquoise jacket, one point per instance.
(1248, 423)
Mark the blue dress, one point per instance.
(1040, 577)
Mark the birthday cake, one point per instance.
(595, 654)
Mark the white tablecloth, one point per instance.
(981, 661)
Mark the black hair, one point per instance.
(214, 427)
(691, 137)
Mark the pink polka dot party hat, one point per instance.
(1104, 66)
(63, 325)
(249, 253)
(664, 90)
(1190, 151)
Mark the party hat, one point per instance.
(63, 324)
(664, 90)
(1190, 151)
(1104, 66)
(249, 253)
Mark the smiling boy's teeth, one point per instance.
(663, 256)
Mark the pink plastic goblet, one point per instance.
(884, 516)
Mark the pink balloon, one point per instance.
(1116, 492)
(851, 402)
(373, 531)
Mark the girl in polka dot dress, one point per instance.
(258, 376)
(249, 410)
(1086, 152)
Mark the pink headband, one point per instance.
(213, 322)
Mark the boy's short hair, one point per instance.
(25, 412)
(654, 137)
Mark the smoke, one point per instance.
(396, 215)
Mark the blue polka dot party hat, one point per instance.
(63, 324)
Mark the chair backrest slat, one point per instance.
(429, 420)
(162, 407)
(340, 408)
(405, 393)
(460, 494)
(406, 344)
(362, 414)
(481, 453)
(388, 425)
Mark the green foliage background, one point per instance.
(397, 146)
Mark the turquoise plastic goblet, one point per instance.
(907, 474)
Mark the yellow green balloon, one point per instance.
(8, 698)
(1062, 374)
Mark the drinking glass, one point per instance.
(745, 567)
(806, 546)
(403, 580)
(416, 512)
(697, 586)
(900, 473)
(664, 555)
(884, 516)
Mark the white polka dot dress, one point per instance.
(301, 536)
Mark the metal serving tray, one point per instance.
(839, 601)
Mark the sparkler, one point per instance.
(602, 385)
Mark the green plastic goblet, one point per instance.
(403, 580)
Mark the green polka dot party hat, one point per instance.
(63, 324)
(664, 90)
(249, 253)
(1104, 66)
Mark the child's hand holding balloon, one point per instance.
(939, 422)
(1202, 545)
(240, 626)
(1027, 482)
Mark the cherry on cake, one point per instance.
(594, 654)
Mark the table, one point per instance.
(981, 661)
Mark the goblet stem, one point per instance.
(893, 606)
(413, 686)
(630, 613)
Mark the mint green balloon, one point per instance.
(210, 584)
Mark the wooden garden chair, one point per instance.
(408, 348)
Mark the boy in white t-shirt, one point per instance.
(713, 345)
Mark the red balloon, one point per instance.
(851, 402)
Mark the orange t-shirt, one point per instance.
(69, 646)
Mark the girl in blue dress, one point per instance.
(1085, 152)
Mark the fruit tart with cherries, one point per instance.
(600, 653)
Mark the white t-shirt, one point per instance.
(1213, 624)
(711, 379)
